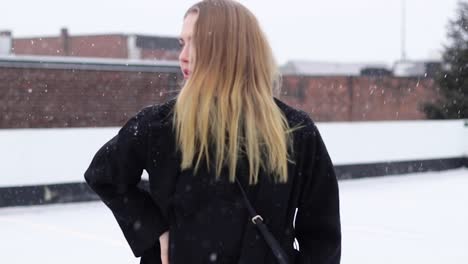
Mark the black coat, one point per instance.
(207, 220)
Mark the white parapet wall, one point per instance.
(48, 156)
(383, 141)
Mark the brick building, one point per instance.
(38, 92)
(120, 46)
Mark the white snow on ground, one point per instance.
(46, 156)
(414, 218)
(406, 219)
(83, 233)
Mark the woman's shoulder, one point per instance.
(157, 112)
(148, 119)
(154, 114)
(296, 117)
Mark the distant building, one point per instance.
(416, 68)
(315, 68)
(118, 46)
(375, 71)
(406, 68)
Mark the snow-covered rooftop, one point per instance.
(403, 219)
(320, 68)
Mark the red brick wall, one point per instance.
(98, 46)
(52, 46)
(151, 54)
(109, 46)
(359, 98)
(73, 98)
(85, 98)
(324, 98)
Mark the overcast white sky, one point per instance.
(326, 30)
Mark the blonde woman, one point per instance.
(225, 125)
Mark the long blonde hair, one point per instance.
(227, 104)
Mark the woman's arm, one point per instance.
(317, 225)
(114, 174)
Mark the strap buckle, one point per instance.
(255, 218)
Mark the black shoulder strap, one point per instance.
(257, 220)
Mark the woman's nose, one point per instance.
(184, 56)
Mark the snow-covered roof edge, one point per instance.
(87, 63)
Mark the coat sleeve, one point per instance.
(114, 174)
(318, 228)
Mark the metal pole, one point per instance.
(403, 30)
